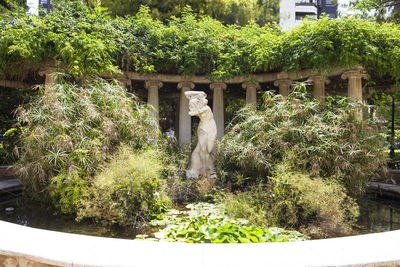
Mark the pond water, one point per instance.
(37, 216)
(379, 215)
(376, 215)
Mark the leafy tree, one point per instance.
(7, 5)
(379, 10)
(227, 11)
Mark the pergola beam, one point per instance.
(14, 84)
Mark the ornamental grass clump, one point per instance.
(70, 132)
(326, 140)
(315, 206)
(128, 191)
(301, 163)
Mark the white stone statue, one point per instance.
(202, 160)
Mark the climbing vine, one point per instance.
(84, 41)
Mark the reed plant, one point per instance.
(297, 162)
(328, 140)
(70, 132)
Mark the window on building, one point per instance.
(302, 15)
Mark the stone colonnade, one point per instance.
(281, 80)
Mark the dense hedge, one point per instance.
(88, 41)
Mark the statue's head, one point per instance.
(197, 102)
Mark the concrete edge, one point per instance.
(35, 247)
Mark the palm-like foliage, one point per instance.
(324, 140)
(73, 131)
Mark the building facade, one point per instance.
(292, 12)
(35, 5)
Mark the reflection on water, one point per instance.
(379, 215)
(37, 216)
(376, 215)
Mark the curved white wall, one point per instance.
(33, 247)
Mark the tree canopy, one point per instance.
(227, 11)
(7, 5)
(379, 10)
(87, 41)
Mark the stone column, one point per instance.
(50, 77)
(354, 88)
(319, 86)
(185, 125)
(152, 95)
(218, 106)
(284, 86)
(251, 93)
(50, 80)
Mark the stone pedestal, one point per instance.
(284, 86)
(319, 82)
(152, 95)
(251, 93)
(218, 107)
(185, 125)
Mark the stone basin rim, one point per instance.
(22, 244)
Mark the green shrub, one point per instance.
(10, 144)
(176, 161)
(316, 206)
(300, 163)
(84, 41)
(70, 132)
(3, 155)
(323, 140)
(67, 190)
(128, 191)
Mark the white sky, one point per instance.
(343, 7)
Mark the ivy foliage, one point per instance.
(84, 40)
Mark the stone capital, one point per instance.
(283, 82)
(218, 85)
(153, 83)
(186, 85)
(354, 73)
(46, 72)
(246, 85)
(282, 76)
(123, 82)
(318, 79)
(47, 68)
